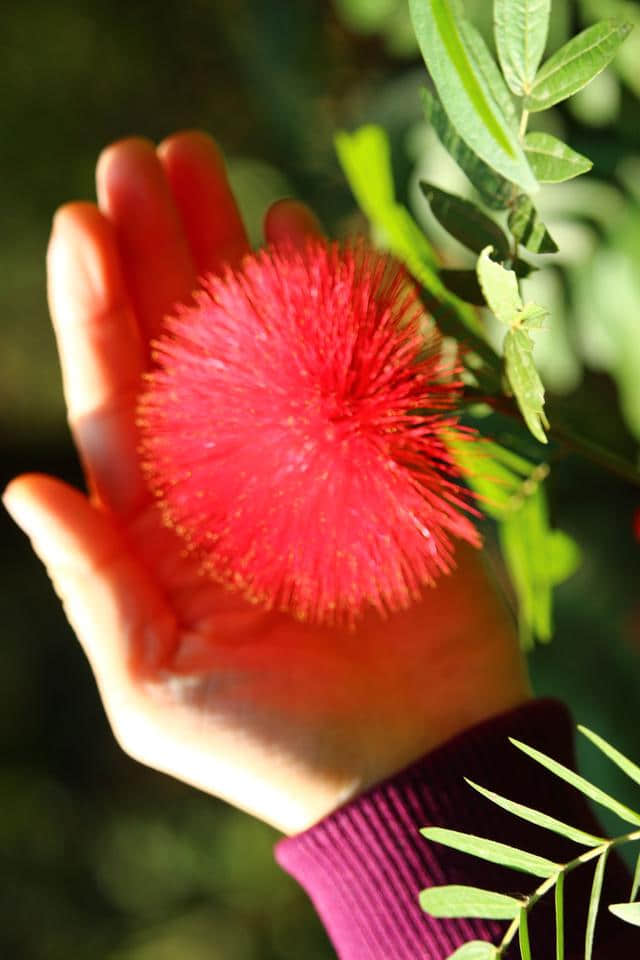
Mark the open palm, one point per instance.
(283, 719)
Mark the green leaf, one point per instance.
(523, 935)
(495, 191)
(532, 316)
(476, 950)
(491, 476)
(635, 886)
(464, 283)
(525, 381)
(500, 288)
(465, 221)
(564, 556)
(492, 851)
(629, 912)
(523, 539)
(575, 64)
(521, 28)
(465, 94)
(528, 229)
(487, 68)
(459, 901)
(553, 161)
(594, 904)
(575, 780)
(540, 819)
(631, 769)
(365, 157)
(559, 905)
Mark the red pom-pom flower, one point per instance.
(294, 433)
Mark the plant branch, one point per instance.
(566, 435)
(565, 869)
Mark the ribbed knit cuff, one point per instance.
(365, 864)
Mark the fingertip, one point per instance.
(25, 499)
(195, 141)
(289, 221)
(196, 173)
(115, 163)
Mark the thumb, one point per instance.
(116, 611)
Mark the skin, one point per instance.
(283, 719)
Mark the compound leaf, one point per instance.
(559, 910)
(528, 229)
(540, 819)
(465, 93)
(575, 64)
(488, 69)
(461, 901)
(525, 381)
(594, 904)
(631, 769)
(492, 851)
(521, 28)
(476, 950)
(523, 935)
(500, 288)
(584, 786)
(629, 912)
(495, 191)
(553, 161)
(465, 221)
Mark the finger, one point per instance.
(101, 353)
(288, 221)
(133, 193)
(118, 615)
(195, 170)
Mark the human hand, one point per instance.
(283, 719)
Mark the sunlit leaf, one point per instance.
(532, 316)
(500, 288)
(631, 769)
(523, 538)
(521, 28)
(488, 69)
(553, 161)
(629, 912)
(540, 819)
(475, 950)
(584, 786)
(576, 63)
(464, 92)
(495, 191)
(559, 912)
(465, 221)
(564, 556)
(528, 228)
(492, 479)
(594, 904)
(523, 936)
(492, 851)
(525, 381)
(460, 901)
(365, 157)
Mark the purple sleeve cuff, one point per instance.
(364, 865)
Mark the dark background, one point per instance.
(100, 857)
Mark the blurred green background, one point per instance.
(100, 857)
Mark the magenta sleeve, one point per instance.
(364, 865)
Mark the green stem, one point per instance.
(566, 435)
(565, 869)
